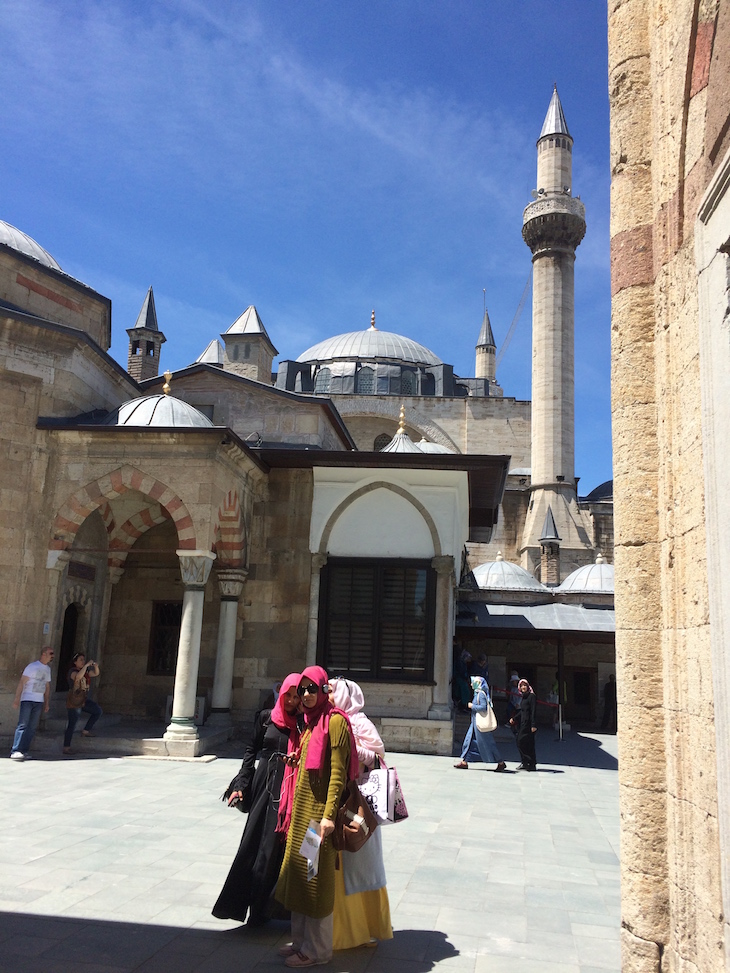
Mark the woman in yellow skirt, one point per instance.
(362, 909)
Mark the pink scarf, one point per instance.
(286, 721)
(318, 720)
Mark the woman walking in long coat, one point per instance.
(263, 792)
(479, 745)
(326, 761)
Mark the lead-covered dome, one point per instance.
(596, 577)
(11, 236)
(370, 345)
(158, 410)
(504, 575)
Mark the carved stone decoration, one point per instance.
(230, 583)
(443, 564)
(195, 567)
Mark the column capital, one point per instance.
(443, 564)
(318, 561)
(195, 567)
(230, 582)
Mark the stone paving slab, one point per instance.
(111, 865)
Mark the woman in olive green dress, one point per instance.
(327, 759)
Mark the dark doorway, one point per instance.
(68, 646)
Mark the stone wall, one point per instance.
(54, 296)
(667, 129)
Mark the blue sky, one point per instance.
(316, 158)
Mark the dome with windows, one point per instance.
(11, 236)
(160, 410)
(596, 577)
(504, 575)
(370, 345)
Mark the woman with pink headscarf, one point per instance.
(362, 909)
(265, 791)
(327, 759)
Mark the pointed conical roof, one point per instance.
(249, 323)
(147, 317)
(549, 530)
(213, 354)
(486, 338)
(555, 123)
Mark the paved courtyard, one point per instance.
(111, 865)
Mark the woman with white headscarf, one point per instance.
(362, 909)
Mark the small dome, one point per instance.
(505, 575)
(370, 345)
(596, 577)
(426, 447)
(157, 410)
(11, 236)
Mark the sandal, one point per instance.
(462, 765)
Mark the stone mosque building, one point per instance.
(205, 532)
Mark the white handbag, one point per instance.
(486, 722)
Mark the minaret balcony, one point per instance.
(554, 222)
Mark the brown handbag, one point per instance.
(355, 821)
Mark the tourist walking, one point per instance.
(479, 745)
(527, 726)
(32, 697)
(79, 678)
(327, 760)
(265, 791)
(362, 910)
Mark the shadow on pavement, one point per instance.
(39, 944)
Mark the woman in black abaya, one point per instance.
(265, 792)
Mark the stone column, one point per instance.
(195, 567)
(318, 562)
(440, 708)
(231, 585)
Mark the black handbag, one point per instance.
(355, 821)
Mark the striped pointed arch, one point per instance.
(230, 533)
(107, 516)
(110, 486)
(131, 530)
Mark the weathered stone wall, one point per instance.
(248, 409)
(496, 426)
(661, 56)
(54, 296)
(273, 613)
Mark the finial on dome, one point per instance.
(372, 320)
(500, 556)
(402, 418)
(600, 559)
(166, 386)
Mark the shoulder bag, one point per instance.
(355, 821)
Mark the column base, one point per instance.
(439, 711)
(182, 730)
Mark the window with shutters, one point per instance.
(322, 381)
(376, 619)
(366, 380)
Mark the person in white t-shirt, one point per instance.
(32, 698)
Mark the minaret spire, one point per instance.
(486, 351)
(553, 226)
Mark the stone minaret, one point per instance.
(553, 226)
(486, 352)
(145, 341)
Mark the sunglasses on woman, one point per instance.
(311, 689)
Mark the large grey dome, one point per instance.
(11, 236)
(157, 410)
(504, 575)
(370, 345)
